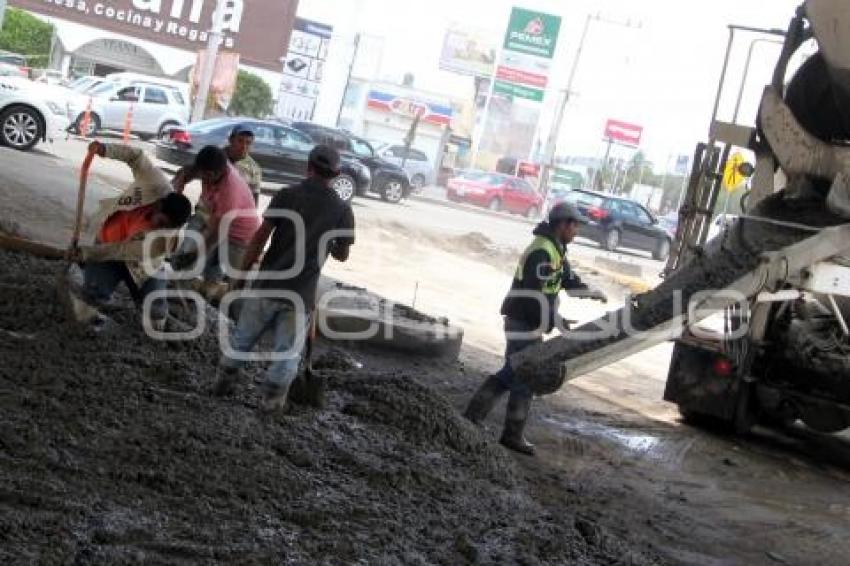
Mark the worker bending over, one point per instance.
(122, 224)
(223, 191)
(328, 223)
(530, 310)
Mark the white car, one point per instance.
(31, 112)
(417, 165)
(155, 108)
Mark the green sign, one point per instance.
(518, 91)
(567, 178)
(534, 33)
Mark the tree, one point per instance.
(253, 97)
(26, 35)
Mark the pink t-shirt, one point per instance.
(233, 193)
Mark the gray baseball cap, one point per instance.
(565, 211)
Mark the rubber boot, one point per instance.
(484, 399)
(515, 419)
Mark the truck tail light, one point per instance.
(723, 367)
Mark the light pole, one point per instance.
(554, 132)
(2, 11)
(208, 68)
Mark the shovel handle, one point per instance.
(81, 198)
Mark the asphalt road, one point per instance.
(505, 231)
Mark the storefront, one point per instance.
(163, 37)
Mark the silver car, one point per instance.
(417, 165)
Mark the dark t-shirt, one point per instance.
(322, 212)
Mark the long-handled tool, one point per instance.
(77, 309)
(309, 388)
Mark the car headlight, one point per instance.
(56, 108)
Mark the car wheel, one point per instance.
(93, 127)
(612, 240)
(532, 213)
(392, 191)
(21, 127)
(495, 205)
(662, 249)
(418, 181)
(344, 186)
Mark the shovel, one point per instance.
(76, 308)
(309, 388)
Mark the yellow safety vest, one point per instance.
(552, 285)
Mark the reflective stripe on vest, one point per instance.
(552, 285)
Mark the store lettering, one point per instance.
(231, 20)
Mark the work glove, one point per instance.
(589, 293)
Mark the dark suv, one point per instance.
(388, 180)
(615, 221)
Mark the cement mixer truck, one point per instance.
(777, 283)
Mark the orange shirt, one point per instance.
(123, 225)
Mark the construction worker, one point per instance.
(324, 215)
(238, 150)
(530, 310)
(223, 191)
(122, 224)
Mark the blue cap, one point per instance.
(242, 130)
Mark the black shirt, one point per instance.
(322, 212)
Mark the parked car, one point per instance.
(86, 83)
(9, 70)
(156, 108)
(30, 112)
(419, 168)
(48, 76)
(281, 151)
(496, 191)
(15, 60)
(669, 222)
(388, 180)
(556, 195)
(615, 221)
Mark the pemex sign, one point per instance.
(532, 33)
(530, 40)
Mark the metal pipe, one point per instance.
(838, 315)
(753, 43)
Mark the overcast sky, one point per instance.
(662, 75)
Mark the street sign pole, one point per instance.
(552, 139)
(208, 68)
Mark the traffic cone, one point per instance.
(128, 122)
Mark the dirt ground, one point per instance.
(113, 451)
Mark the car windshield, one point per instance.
(105, 88)
(361, 148)
(584, 199)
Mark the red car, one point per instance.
(496, 191)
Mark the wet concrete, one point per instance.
(113, 451)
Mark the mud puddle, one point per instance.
(634, 442)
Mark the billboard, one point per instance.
(469, 52)
(623, 132)
(303, 69)
(528, 48)
(257, 29)
(430, 112)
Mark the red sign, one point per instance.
(519, 76)
(623, 132)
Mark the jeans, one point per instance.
(213, 271)
(256, 317)
(100, 279)
(506, 374)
